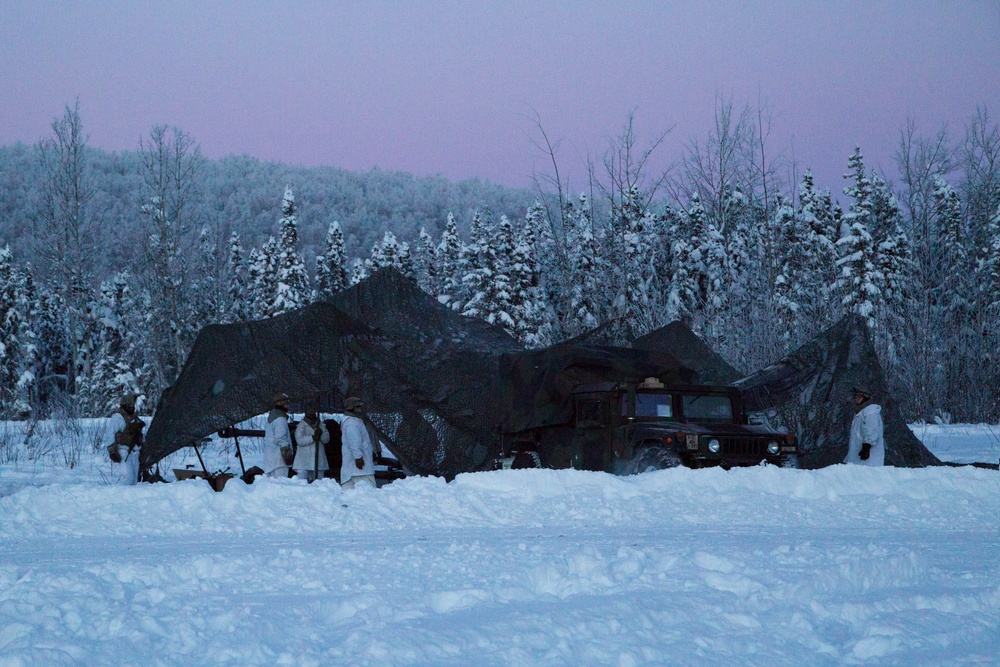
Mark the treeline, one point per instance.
(755, 265)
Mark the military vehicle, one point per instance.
(636, 426)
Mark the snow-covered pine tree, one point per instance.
(552, 271)
(208, 306)
(474, 265)
(27, 384)
(377, 259)
(489, 277)
(16, 338)
(990, 282)
(358, 271)
(584, 271)
(790, 292)
(858, 280)
(116, 367)
(425, 267)
(291, 290)
(266, 285)
(717, 283)
(331, 266)
(688, 283)
(237, 292)
(256, 287)
(449, 261)
(527, 307)
(820, 270)
(893, 257)
(740, 241)
(634, 303)
(954, 265)
(54, 358)
(405, 260)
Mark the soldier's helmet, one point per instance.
(864, 390)
(279, 398)
(128, 401)
(353, 403)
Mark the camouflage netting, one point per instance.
(538, 383)
(678, 339)
(441, 387)
(428, 376)
(812, 390)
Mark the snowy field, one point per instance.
(759, 566)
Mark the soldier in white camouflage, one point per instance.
(126, 428)
(278, 454)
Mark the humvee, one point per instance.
(636, 426)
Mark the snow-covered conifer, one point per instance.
(291, 289)
(116, 366)
(16, 339)
(858, 278)
(239, 308)
(820, 253)
(208, 306)
(584, 275)
(449, 259)
(955, 262)
(358, 271)
(789, 288)
(990, 283)
(256, 287)
(331, 266)
(425, 267)
(489, 277)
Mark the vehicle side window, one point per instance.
(591, 413)
(654, 405)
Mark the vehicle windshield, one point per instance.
(708, 407)
(651, 405)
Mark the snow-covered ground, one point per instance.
(759, 566)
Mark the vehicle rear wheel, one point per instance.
(656, 458)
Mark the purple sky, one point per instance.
(445, 87)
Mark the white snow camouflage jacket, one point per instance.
(356, 445)
(276, 436)
(867, 427)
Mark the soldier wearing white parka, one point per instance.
(277, 439)
(126, 428)
(867, 443)
(359, 447)
(311, 434)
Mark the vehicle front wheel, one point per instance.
(655, 458)
(790, 461)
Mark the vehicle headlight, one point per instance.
(713, 446)
(772, 447)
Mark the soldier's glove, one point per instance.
(360, 463)
(113, 454)
(317, 435)
(287, 455)
(866, 451)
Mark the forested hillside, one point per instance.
(111, 263)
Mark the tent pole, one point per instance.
(239, 455)
(316, 444)
(200, 460)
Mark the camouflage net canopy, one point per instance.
(442, 388)
(428, 376)
(538, 384)
(678, 339)
(812, 389)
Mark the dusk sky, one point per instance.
(448, 87)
